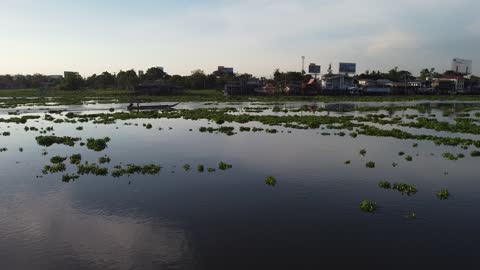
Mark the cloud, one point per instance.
(393, 40)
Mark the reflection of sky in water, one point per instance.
(232, 220)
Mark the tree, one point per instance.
(72, 81)
(127, 80)
(198, 79)
(154, 73)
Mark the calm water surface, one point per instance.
(231, 219)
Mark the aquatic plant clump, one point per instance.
(270, 181)
(368, 206)
(130, 169)
(69, 177)
(54, 168)
(370, 164)
(91, 168)
(104, 159)
(224, 166)
(475, 154)
(405, 188)
(75, 159)
(57, 159)
(200, 168)
(51, 140)
(385, 184)
(443, 194)
(97, 144)
(186, 167)
(408, 158)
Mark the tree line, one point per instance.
(198, 79)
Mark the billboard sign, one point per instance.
(347, 68)
(462, 66)
(314, 69)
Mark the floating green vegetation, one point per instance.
(91, 168)
(245, 129)
(475, 154)
(69, 177)
(3, 149)
(6, 133)
(186, 167)
(111, 110)
(57, 159)
(148, 126)
(370, 164)
(409, 158)
(385, 185)
(451, 156)
(401, 153)
(54, 168)
(368, 206)
(211, 170)
(79, 128)
(405, 188)
(443, 194)
(415, 145)
(50, 140)
(394, 164)
(411, 216)
(224, 166)
(348, 162)
(363, 152)
(222, 129)
(130, 169)
(97, 144)
(20, 149)
(353, 135)
(200, 168)
(271, 181)
(272, 130)
(104, 159)
(76, 159)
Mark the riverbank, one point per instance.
(13, 98)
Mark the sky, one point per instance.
(253, 36)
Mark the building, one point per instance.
(141, 73)
(337, 83)
(70, 73)
(449, 84)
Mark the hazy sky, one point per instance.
(255, 36)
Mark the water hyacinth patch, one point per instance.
(405, 188)
(130, 169)
(91, 168)
(385, 184)
(224, 166)
(97, 144)
(270, 181)
(186, 167)
(368, 206)
(54, 168)
(75, 159)
(443, 194)
(69, 177)
(51, 140)
(408, 158)
(104, 159)
(363, 152)
(370, 164)
(200, 168)
(57, 159)
(475, 154)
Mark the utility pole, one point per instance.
(303, 65)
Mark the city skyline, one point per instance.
(251, 36)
